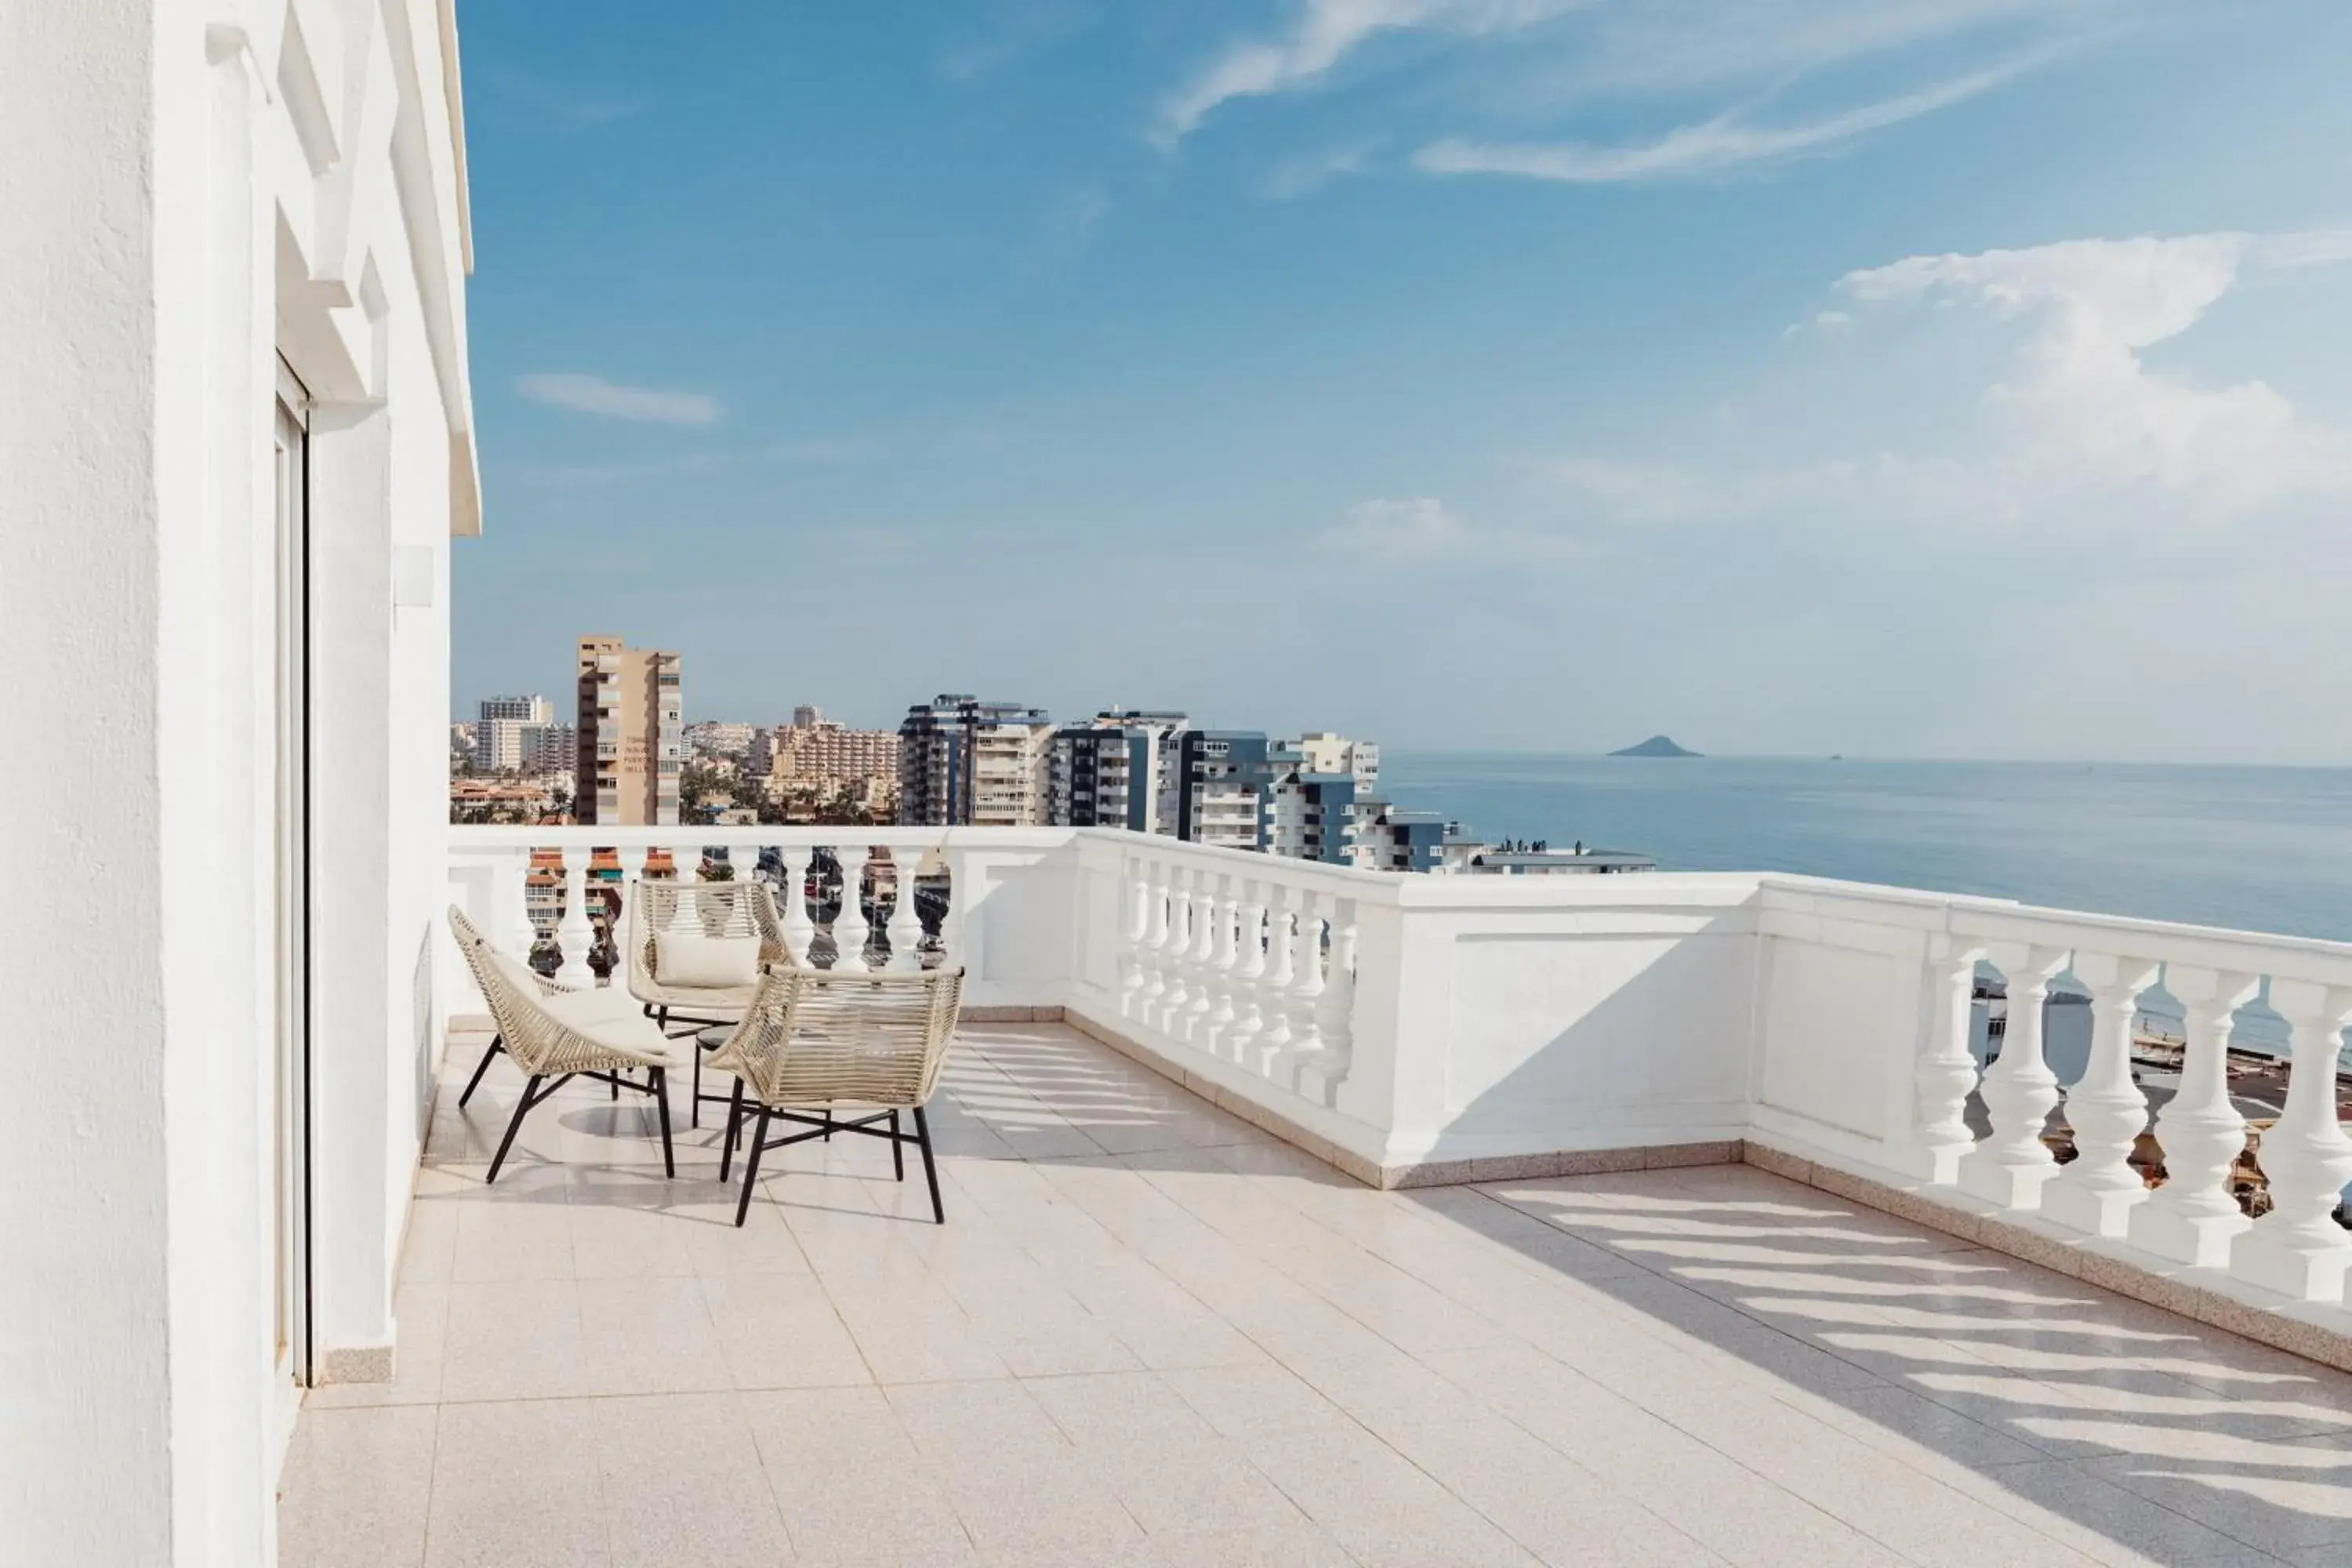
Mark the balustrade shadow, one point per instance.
(2166, 1438)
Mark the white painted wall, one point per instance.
(191, 190)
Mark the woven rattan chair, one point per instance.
(740, 908)
(554, 1033)
(815, 1043)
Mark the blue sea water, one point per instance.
(2257, 848)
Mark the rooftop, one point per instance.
(1150, 1334)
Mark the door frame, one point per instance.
(290, 1125)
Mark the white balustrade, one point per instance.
(1306, 980)
(2194, 1216)
(1404, 1019)
(850, 926)
(1175, 951)
(1249, 972)
(905, 928)
(1335, 1015)
(1274, 985)
(1135, 901)
(2297, 1248)
(2105, 1109)
(1946, 1073)
(799, 928)
(1200, 959)
(2019, 1089)
(575, 935)
(625, 924)
(1151, 955)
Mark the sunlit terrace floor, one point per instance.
(1148, 1335)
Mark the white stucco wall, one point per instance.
(193, 190)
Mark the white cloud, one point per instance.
(1327, 32)
(593, 394)
(1417, 529)
(1708, 147)
(1546, 54)
(2084, 416)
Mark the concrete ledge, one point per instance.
(354, 1364)
(2321, 1334)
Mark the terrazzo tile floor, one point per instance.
(1148, 1335)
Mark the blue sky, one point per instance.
(1891, 377)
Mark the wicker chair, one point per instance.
(824, 1040)
(552, 1032)
(741, 908)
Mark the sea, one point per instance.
(2255, 848)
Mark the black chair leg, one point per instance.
(660, 1076)
(498, 1044)
(523, 1109)
(828, 1123)
(734, 1125)
(751, 1169)
(930, 1171)
(897, 1149)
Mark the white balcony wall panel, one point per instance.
(160, 253)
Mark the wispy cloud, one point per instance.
(593, 394)
(1008, 31)
(562, 108)
(1298, 176)
(1710, 147)
(1422, 530)
(1326, 33)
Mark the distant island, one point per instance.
(1655, 746)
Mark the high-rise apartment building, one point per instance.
(1115, 770)
(631, 735)
(964, 761)
(1219, 782)
(500, 725)
(1321, 752)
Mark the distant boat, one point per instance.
(1655, 746)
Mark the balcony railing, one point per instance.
(1425, 1029)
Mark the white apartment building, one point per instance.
(519, 734)
(1321, 752)
(963, 761)
(236, 418)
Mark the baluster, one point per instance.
(574, 933)
(2107, 1111)
(1274, 992)
(850, 926)
(798, 927)
(686, 862)
(624, 925)
(1223, 963)
(1201, 957)
(2297, 1248)
(1336, 1017)
(2194, 1216)
(1249, 973)
(1306, 978)
(1947, 1071)
(955, 933)
(1172, 953)
(2019, 1091)
(1151, 953)
(1135, 924)
(525, 931)
(905, 927)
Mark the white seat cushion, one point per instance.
(705, 963)
(610, 1022)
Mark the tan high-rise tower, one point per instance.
(632, 734)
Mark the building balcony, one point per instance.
(1308, 1216)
